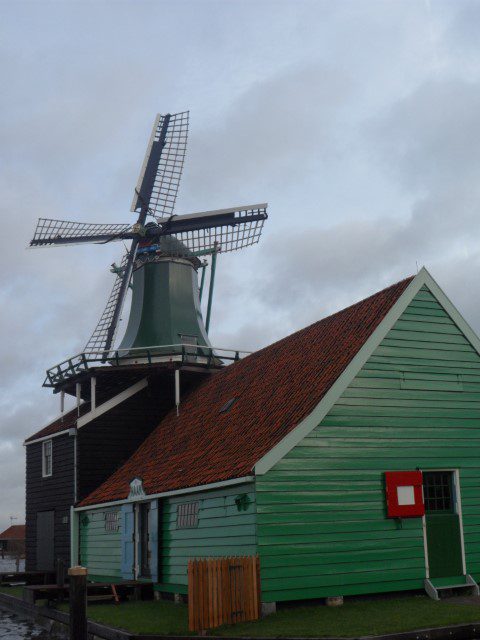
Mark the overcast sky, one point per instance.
(357, 121)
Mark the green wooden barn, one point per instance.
(286, 454)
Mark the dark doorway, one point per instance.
(145, 550)
(443, 524)
(45, 540)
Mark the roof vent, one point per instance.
(226, 407)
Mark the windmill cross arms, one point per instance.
(227, 229)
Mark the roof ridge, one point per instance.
(325, 318)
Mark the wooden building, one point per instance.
(286, 452)
(12, 541)
(75, 453)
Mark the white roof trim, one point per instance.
(71, 431)
(113, 402)
(333, 394)
(166, 494)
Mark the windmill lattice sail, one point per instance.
(159, 179)
(60, 232)
(98, 340)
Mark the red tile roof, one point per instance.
(275, 388)
(14, 532)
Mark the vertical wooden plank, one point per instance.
(206, 603)
(190, 595)
(243, 588)
(220, 590)
(226, 592)
(259, 586)
(248, 588)
(215, 593)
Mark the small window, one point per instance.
(438, 489)
(46, 458)
(187, 515)
(111, 521)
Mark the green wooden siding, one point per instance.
(322, 526)
(223, 530)
(100, 550)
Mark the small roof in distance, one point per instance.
(14, 532)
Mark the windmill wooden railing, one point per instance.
(223, 591)
(192, 354)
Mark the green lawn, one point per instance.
(12, 591)
(355, 617)
(358, 617)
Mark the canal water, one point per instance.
(13, 628)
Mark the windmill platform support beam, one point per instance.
(113, 402)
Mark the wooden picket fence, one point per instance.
(223, 591)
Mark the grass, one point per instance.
(369, 616)
(356, 617)
(12, 591)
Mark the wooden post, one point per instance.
(60, 573)
(78, 603)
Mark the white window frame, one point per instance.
(45, 444)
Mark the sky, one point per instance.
(356, 120)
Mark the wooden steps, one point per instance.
(437, 588)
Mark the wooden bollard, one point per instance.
(78, 603)
(60, 573)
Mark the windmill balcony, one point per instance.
(179, 354)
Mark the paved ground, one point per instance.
(463, 600)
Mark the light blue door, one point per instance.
(128, 542)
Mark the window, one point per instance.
(187, 515)
(111, 521)
(46, 458)
(438, 491)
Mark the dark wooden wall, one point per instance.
(103, 445)
(53, 493)
(107, 442)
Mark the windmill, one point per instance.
(165, 255)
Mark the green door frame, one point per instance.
(458, 510)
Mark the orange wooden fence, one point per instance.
(223, 591)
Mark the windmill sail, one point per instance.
(223, 229)
(157, 186)
(103, 336)
(60, 232)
